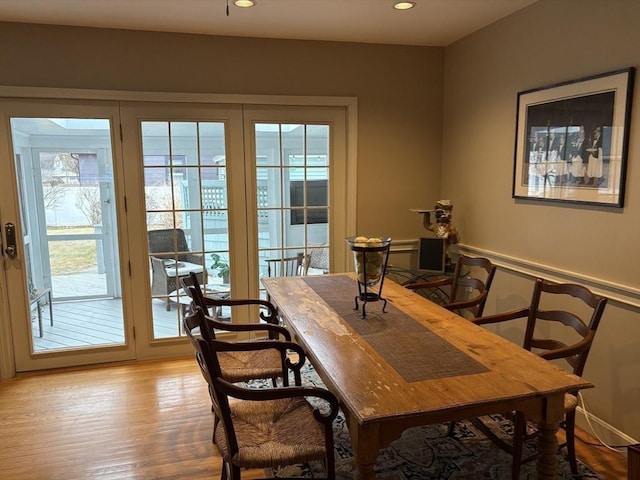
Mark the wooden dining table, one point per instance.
(416, 364)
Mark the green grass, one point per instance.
(72, 256)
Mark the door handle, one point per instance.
(10, 237)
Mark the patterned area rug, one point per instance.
(427, 453)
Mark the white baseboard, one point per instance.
(600, 429)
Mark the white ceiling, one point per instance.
(431, 22)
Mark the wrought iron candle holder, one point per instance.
(370, 257)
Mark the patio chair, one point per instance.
(171, 260)
(288, 266)
(266, 357)
(319, 260)
(263, 427)
(468, 286)
(551, 346)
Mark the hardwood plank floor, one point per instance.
(146, 420)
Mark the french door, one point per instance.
(190, 210)
(223, 188)
(150, 193)
(61, 221)
(296, 165)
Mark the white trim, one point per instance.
(352, 175)
(403, 246)
(349, 103)
(7, 364)
(82, 96)
(170, 97)
(604, 432)
(623, 294)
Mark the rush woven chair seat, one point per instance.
(263, 427)
(245, 366)
(270, 433)
(564, 335)
(468, 287)
(250, 361)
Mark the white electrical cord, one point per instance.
(588, 417)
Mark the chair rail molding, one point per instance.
(624, 295)
(404, 246)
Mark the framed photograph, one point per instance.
(572, 139)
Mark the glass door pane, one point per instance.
(293, 180)
(185, 185)
(66, 188)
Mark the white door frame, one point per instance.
(63, 96)
(14, 272)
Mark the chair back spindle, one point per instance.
(468, 286)
(553, 334)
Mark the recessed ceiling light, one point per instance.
(244, 3)
(404, 5)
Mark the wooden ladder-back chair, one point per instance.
(265, 357)
(468, 286)
(263, 427)
(564, 324)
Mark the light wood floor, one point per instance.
(132, 421)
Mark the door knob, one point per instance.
(10, 236)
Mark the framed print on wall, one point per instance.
(572, 139)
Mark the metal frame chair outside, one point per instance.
(288, 266)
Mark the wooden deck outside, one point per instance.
(71, 314)
(93, 321)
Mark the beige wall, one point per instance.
(548, 42)
(399, 91)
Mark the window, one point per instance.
(316, 196)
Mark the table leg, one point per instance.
(547, 463)
(547, 443)
(365, 444)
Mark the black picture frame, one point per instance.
(572, 140)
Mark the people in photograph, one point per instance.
(562, 147)
(561, 168)
(593, 173)
(553, 143)
(577, 167)
(538, 147)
